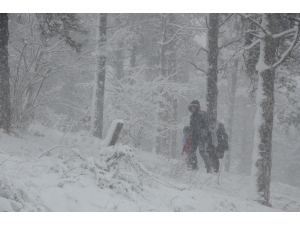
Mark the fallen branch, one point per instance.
(59, 146)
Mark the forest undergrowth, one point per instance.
(47, 170)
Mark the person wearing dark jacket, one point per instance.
(198, 133)
(217, 142)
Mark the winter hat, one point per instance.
(194, 103)
(186, 129)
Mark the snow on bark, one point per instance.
(262, 149)
(255, 155)
(261, 156)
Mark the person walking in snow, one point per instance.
(217, 142)
(198, 126)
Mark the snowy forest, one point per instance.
(93, 107)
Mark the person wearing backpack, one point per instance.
(198, 126)
(217, 142)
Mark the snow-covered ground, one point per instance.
(47, 170)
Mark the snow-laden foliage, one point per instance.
(34, 60)
(113, 169)
(156, 64)
(38, 173)
(137, 99)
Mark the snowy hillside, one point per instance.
(47, 170)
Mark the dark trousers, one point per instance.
(214, 159)
(193, 157)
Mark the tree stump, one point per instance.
(116, 134)
(113, 133)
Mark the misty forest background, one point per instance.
(154, 65)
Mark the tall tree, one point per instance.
(5, 116)
(172, 71)
(167, 139)
(162, 144)
(99, 82)
(231, 112)
(268, 40)
(212, 58)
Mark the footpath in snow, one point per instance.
(47, 170)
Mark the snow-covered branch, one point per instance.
(285, 33)
(260, 26)
(288, 51)
(295, 19)
(252, 45)
(256, 23)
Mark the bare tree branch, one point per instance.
(225, 21)
(225, 64)
(197, 67)
(292, 18)
(201, 50)
(186, 27)
(172, 37)
(252, 31)
(225, 45)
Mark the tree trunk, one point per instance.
(174, 132)
(162, 138)
(133, 57)
(231, 114)
(5, 117)
(212, 58)
(261, 157)
(98, 98)
(172, 71)
(119, 67)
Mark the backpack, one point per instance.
(224, 137)
(223, 141)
